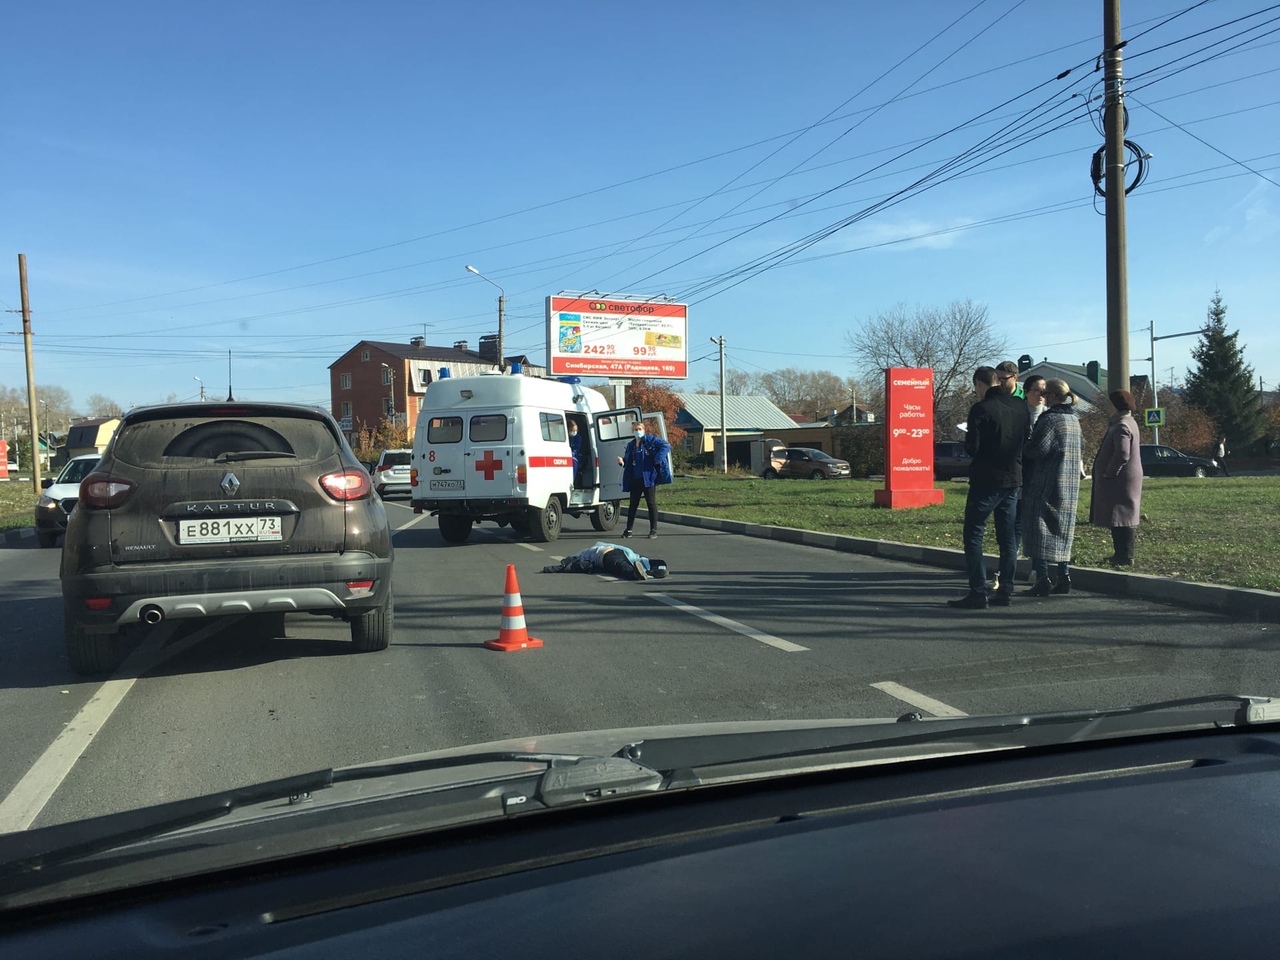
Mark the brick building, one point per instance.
(375, 379)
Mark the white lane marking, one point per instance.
(409, 523)
(918, 699)
(728, 624)
(25, 801)
(528, 546)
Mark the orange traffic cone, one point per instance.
(512, 635)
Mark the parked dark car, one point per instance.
(1161, 461)
(950, 460)
(208, 510)
(805, 463)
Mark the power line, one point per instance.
(567, 199)
(1216, 27)
(761, 264)
(839, 186)
(830, 143)
(1206, 143)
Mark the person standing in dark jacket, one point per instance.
(996, 430)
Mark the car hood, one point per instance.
(61, 491)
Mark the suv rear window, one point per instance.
(186, 440)
(398, 459)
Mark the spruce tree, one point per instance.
(1221, 384)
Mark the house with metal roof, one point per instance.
(751, 422)
(378, 380)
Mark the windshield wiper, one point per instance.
(252, 455)
(567, 779)
(681, 756)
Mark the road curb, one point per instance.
(1239, 602)
(22, 533)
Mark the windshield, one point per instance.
(76, 470)
(943, 409)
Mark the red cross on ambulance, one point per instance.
(487, 465)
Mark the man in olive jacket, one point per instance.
(996, 430)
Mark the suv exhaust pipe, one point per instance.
(151, 614)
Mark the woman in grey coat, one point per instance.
(1056, 450)
(1117, 479)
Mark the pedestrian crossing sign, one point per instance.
(1155, 416)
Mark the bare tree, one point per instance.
(953, 341)
(737, 383)
(103, 406)
(812, 393)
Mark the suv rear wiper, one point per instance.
(252, 455)
(567, 779)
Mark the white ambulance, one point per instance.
(496, 447)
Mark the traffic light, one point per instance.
(1024, 363)
(1094, 372)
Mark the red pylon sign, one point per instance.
(513, 635)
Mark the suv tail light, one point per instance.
(347, 484)
(413, 477)
(98, 490)
(382, 466)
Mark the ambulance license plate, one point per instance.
(448, 484)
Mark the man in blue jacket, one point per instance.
(644, 466)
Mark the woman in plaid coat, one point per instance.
(1056, 449)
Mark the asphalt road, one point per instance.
(743, 629)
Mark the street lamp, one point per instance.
(201, 382)
(47, 433)
(392, 378)
(502, 303)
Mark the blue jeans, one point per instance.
(980, 505)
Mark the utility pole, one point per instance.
(31, 371)
(1117, 271)
(724, 429)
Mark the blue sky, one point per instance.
(283, 179)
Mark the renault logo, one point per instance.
(230, 484)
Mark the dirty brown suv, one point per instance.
(212, 510)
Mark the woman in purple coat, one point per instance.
(1117, 479)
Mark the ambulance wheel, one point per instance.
(544, 524)
(455, 527)
(519, 523)
(606, 518)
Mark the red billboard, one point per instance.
(908, 439)
(4, 459)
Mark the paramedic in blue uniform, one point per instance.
(575, 447)
(644, 466)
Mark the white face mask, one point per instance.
(637, 434)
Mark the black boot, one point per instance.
(1062, 585)
(1125, 538)
(1042, 588)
